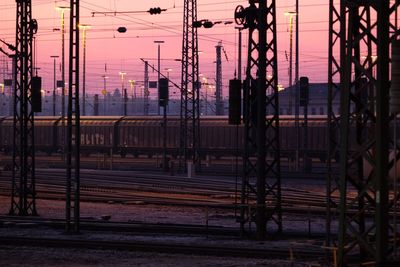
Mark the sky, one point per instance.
(122, 51)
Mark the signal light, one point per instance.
(208, 24)
(121, 29)
(235, 88)
(36, 94)
(304, 91)
(163, 93)
(197, 24)
(155, 10)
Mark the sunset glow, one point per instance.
(110, 52)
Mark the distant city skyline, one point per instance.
(112, 104)
(109, 52)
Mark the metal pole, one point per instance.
(218, 88)
(63, 81)
(158, 79)
(261, 214)
(63, 71)
(146, 89)
(123, 91)
(291, 63)
(382, 129)
(73, 129)
(133, 91)
(84, 29)
(206, 104)
(305, 138)
(55, 86)
(297, 89)
(13, 85)
(165, 163)
(125, 102)
(104, 93)
(240, 55)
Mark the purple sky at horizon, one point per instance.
(122, 52)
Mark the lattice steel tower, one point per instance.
(261, 182)
(219, 105)
(72, 215)
(358, 195)
(146, 89)
(190, 89)
(23, 194)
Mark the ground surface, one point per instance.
(48, 257)
(41, 256)
(146, 213)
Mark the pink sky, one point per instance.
(121, 52)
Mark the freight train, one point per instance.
(143, 135)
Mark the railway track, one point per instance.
(167, 247)
(115, 226)
(128, 187)
(226, 166)
(133, 187)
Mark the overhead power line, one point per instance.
(153, 10)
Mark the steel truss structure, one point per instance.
(23, 192)
(190, 90)
(219, 105)
(261, 184)
(72, 215)
(359, 197)
(146, 89)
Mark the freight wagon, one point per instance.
(143, 135)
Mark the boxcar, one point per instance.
(98, 134)
(46, 139)
(144, 135)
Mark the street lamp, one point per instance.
(62, 9)
(205, 83)
(239, 74)
(133, 89)
(158, 80)
(84, 28)
(104, 92)
(133, 92)
(122, 74)
(291, 14)
(55, 85)
(168, 70)
(295, 90)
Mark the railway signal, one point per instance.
(235, 88)
(37, 94)
(304, 91)
(163, 92)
